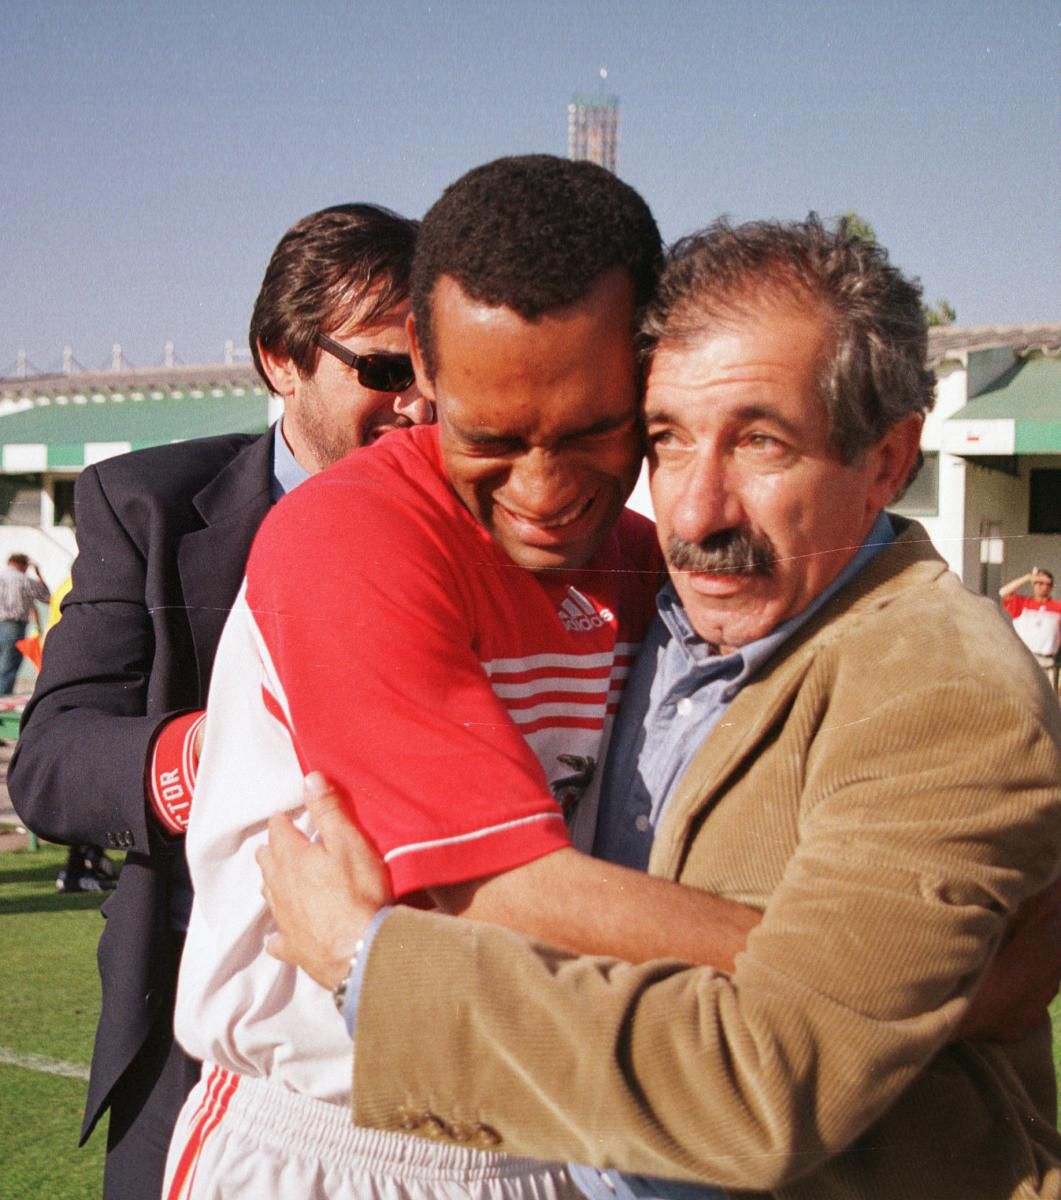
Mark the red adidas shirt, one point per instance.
(454, 696)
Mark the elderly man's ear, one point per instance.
(896, 453)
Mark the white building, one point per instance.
(990, 491)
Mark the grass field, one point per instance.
(48, 1006)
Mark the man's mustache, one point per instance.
(731, 552)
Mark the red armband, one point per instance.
(171, 774)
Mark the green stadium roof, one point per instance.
(68, 422)
(1020, 413)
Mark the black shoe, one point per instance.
(97, 863)
(86, 882)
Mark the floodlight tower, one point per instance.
(593, 128)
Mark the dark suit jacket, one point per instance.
(163, 538)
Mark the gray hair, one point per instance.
(874, 374)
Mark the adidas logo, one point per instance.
(578, 613)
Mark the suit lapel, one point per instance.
(212, 560)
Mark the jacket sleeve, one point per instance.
(77, 774)
(887, 913)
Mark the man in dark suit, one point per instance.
(106, 752)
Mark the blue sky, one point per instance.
(153, 153)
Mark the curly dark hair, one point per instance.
(532, 233)
(324, 269)
(874, 375)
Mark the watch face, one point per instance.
(339, 995)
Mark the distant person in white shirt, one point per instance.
(18, 594)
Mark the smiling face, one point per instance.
(538, 419)
(329, 413)
(754, 510)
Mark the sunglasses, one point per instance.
(377, 372)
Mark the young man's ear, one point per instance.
(281, 371)
(424, 384)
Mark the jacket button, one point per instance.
(431, 1127)
(408, 1118)
(462, 1131)
(486, 1137)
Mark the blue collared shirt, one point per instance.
(288, 472)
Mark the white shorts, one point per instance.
(246, 1138)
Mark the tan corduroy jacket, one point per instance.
(888, 790)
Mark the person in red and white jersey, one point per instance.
(1041, 599)
(1036, 618)
(477, 595)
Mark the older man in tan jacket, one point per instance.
(877, 765)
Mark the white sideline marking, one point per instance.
(37, 1062)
